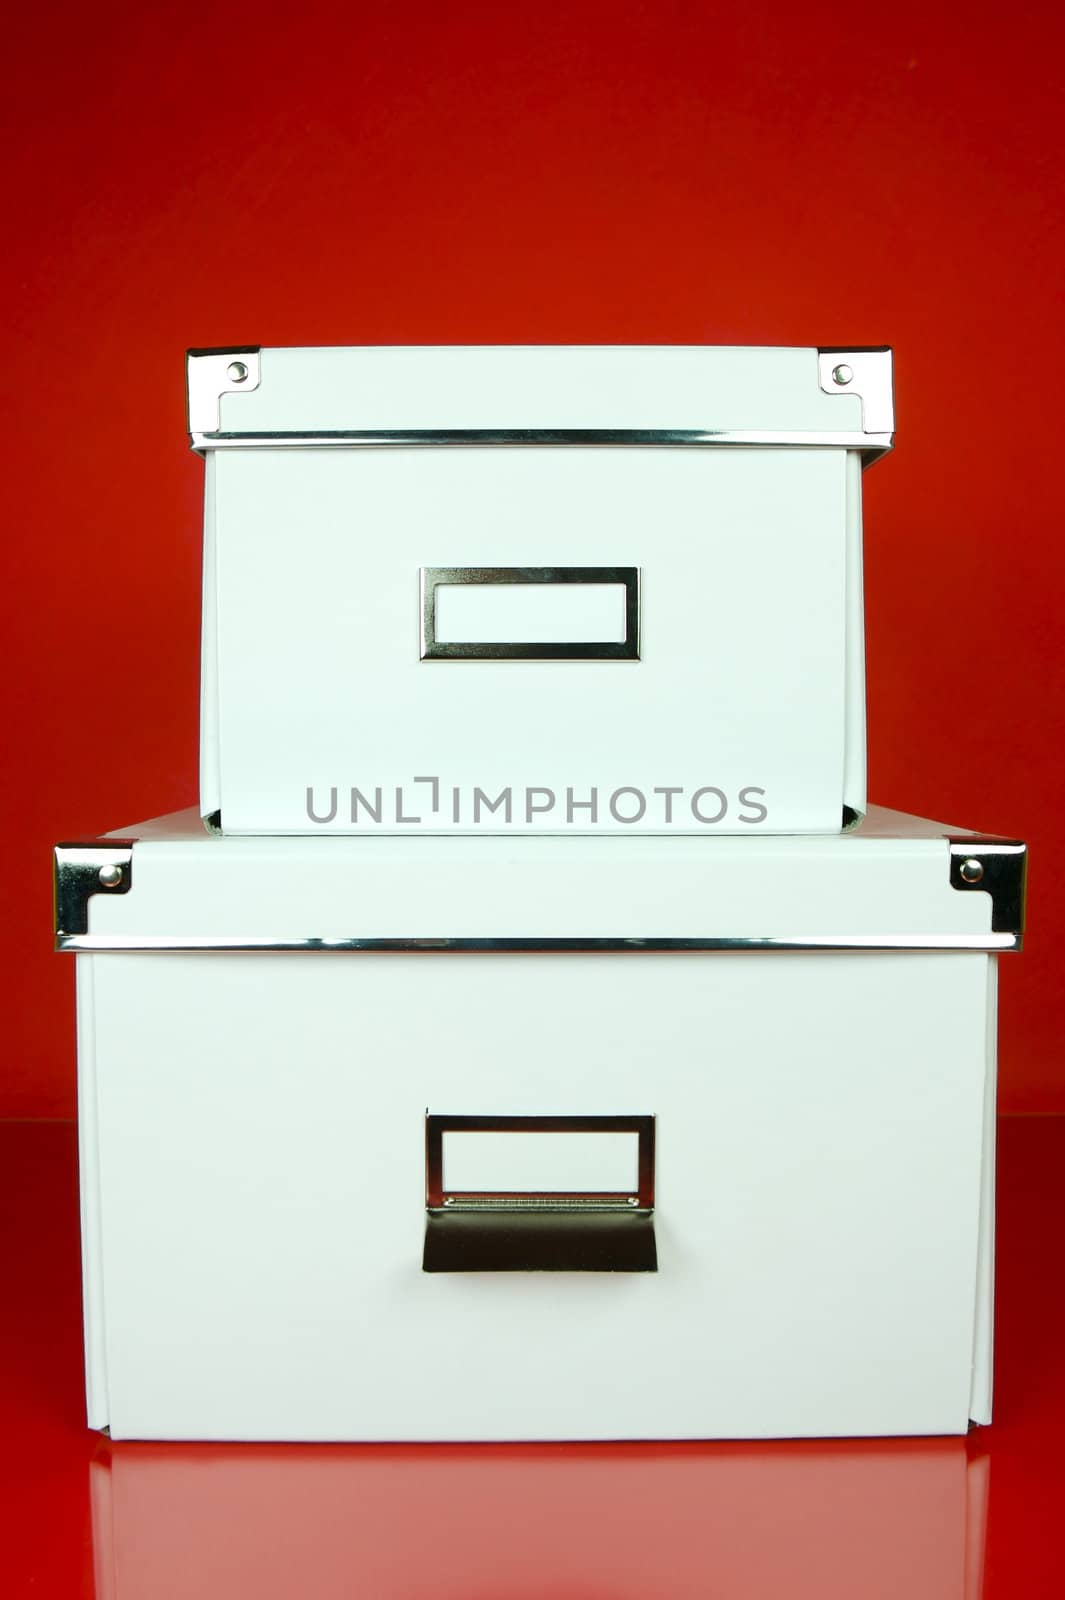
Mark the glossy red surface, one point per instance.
(603, 171)
(956, 1519)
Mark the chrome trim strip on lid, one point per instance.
(871, 445)
(996, 943)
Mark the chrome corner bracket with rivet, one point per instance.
(998, 867)
(213, 373)
(82, 870)
(868, 374)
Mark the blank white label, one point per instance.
(530, 613)
(540, 1163)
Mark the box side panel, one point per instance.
(332, 721)
(854, 758)
(92, 1275)
(819, 1123)
(983, 1329)
(210, 754)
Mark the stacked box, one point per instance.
(542, 1039)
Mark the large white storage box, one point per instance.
(535, 589)
(338, 1098)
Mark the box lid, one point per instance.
(894, 882)
(246, 396)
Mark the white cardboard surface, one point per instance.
(539, 386)
(889, 878)
(261, 1168)
(749, 688)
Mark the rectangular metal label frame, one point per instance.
(436, 1125)
(627, 649)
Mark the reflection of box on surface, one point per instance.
(788, 1044)
(535, 589)
(828, 1522)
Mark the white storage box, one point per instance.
(535, 589)
(338, 1097)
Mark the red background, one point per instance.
(483, 173)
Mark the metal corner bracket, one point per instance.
(213, 373)
(866, 372)
(82, 870)
(998, 867)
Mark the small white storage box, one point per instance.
(735, 1101)
(535, 589)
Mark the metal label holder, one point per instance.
(539, 1232)
(627, 649)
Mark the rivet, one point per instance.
(971, 870)
(236, 372)
(841, 374)
(111, 877)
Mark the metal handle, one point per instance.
(627, 649)
(505, 1230)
